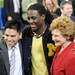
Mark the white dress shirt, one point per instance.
(16, 4)
(18, 63)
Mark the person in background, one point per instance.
(52, 10)
(2, 16)
(37, 44)
(73, 3)
(52, 6)
(11, 50)
(25, 5)
(63, 32)
(67, 9)
(13, 11)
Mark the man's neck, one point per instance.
(41, 30)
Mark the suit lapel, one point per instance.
(20, 47)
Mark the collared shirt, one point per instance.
(16, 4)
(18, 63)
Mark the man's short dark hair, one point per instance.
(39, 7)
(65, 2)
(13, 25)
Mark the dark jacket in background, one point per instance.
(9, 11)
(49, 18)
(9, 7)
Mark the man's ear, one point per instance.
(61, 10)
(20, 35)
(43, 17)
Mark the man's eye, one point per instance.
(28, 18)
(34, 18)
(6, 35)
(12, 35)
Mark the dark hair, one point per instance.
(13, 25)
(65, 2)
(39, 7)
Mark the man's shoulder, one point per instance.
(73, 18)
(2, 44)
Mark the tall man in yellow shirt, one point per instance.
(38, 48)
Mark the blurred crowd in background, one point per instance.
(17, 9)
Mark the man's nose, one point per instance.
(9, 38)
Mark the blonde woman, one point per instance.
(51, 5)
(63, 31)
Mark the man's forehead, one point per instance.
(11, 31)
(33, 13)
(67, 4)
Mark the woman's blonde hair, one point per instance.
(64, 24)
(54, 3)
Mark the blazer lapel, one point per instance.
(20, 47)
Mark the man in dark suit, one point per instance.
(67, 9)
(13, 10)
(10, 42)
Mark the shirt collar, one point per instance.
(16, 46)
